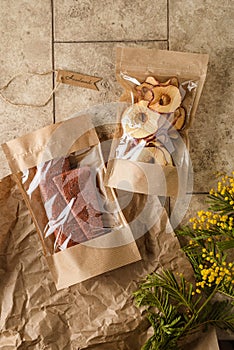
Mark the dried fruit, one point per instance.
(157, 154)
(152, 81)
(57, 205)
(142, 119)
(78, 190)
(147, 155)
(179, 118)
(172, 81)
(139, 121)
(167, 159)
(166, 99)
(145, 91)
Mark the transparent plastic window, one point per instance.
(158, 116)
(68, 195)
(161, 89)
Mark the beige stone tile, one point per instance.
(95, 20)
(182, 209)
(25, 29)
(210, 153)
(205, 27)
(95, 59)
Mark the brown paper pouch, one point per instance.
(59, 170)
(160, 98)
(100, 312)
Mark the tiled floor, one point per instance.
(81, 36)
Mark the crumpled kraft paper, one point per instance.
(96, 314)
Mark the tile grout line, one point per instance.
(105, 41)
(205, 193)
(52, 54)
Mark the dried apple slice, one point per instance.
(139, 121)
(166, 99)
(152, 155)
(173, 133)
(147, 155)
(145, 91)
(152, 81)
(162, 156)
(167, 156)
(159, 156)
(172, 81)
(162, 152)
(179, 118)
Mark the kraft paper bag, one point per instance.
(95, 314)
(161, 93)
(59, 170)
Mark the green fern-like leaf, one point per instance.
(174, 313)
(225, 245)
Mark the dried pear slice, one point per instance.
(166, 99)
(139, 121)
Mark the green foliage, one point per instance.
(175, 311)
(178, 309)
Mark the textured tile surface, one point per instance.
(186, 207)
(209, 30)
(210, 153)
(25, 29)
(95, 59)
(96, 20)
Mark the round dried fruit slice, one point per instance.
(145, 91)
(147, 155)
(171, 81)
(154, 155)
(179, 118)
(139, 121)
(152, 81)
(162, 156)
(166, 99)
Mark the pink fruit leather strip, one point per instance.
(78, 188)
(50, 193)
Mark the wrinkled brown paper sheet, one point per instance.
(98, 314)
